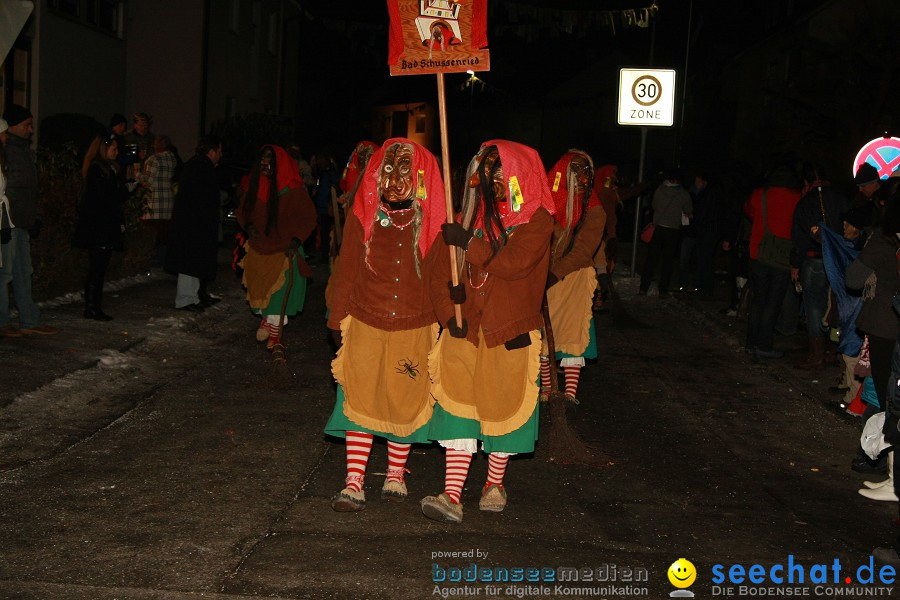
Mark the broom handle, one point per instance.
(448, 193)
(551, 344)
(287, 292)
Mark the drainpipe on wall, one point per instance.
(204, 65)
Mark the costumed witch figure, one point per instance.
(356, 166)
(606, 184)
(381, 316)
(484, 370)
(276, 212)
(349, 185)
(577, 233)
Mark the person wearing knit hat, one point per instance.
(22, 196)
(865, 175)
(577, 233)
(117, 124)
(868, 182)
(485, 370)
(16, 114)
(381, 317)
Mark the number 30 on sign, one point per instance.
(646, 97)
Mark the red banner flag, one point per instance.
(437, 36)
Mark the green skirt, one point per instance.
(297, 298)
(444, 426)
(338, 425)
(590, 351)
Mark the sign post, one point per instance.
(882, 153)
(646, 99)
(439, 36)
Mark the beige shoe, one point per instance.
(442, 508)
(493, 498)
(394, 487)
(262, 334)
(393, 490)
(349, 500)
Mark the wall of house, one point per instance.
(80, 70)
(243, 71)
(164, 76)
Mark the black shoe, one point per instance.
(664, 295)
(194, 308)
(863, 464)
(96, 314)
(838, 390)
(768, 353)
(207, 300)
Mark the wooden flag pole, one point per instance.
(448, 190)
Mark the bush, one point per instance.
(59, 268)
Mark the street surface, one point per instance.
(147, 458)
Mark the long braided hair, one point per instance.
(570, 238)
(483, 197)
(273, 197)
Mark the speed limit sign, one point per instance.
(647, 97)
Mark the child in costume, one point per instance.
(485, 369)
(276, 212)
(381, 316)
(578, 230)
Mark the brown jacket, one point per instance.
(296, 219)
(390, 296)
(507, 302)
(587, 240)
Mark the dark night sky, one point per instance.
(345, 52)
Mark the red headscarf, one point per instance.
(558, 177)
(606, 176)
(428, 186)
(352, 171)
(522, 170)
(287, 175)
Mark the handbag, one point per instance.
(5, 225)
(774, 252)
(647, 232)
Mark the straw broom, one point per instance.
(563, 444)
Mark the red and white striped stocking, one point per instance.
(496, 469)
(458, 462)
(397, 455)
(359, 446)
(572, 375)
(545, 373)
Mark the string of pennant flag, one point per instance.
(528, 21)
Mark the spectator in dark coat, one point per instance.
(711, 221)
(194, 239)
(819, 205)
(101, 223)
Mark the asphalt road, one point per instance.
(147, 457)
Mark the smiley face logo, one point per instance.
(682, 573)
